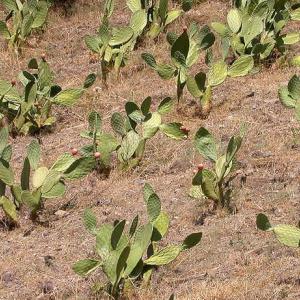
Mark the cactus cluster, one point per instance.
(37, 183)
(185, 51)
(257, 28)
(290, 95)
(102, 144)
(286, 234)
(157, 14)
(128, 257)
(22, 18)
(215, 184)
(113, 44)
(139, 125)
(132, 131)
(30, 110)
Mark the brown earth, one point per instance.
(234, 260)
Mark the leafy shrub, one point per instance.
(37, 183)
(286, 234)
(256, 28)
(31, 110)
(25, 16)
(215, 184)
(290, 95)
(128, 258)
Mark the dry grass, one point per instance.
(234, 260)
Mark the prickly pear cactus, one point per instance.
(26, 17)
(122, 253)
(256, 28)
(37, 183)
(213, 184)
(290, 95)
(185, 52)
(31, 110)
(139, 125)
(157, 14)
(114, 44)
(286, 234)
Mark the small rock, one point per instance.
(261, 154)
(48, 259)
(250, 95)
(61, 213)
(47, 287)
(7, 277)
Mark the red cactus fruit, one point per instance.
(97, 155)
(200, 167)
(74, 151)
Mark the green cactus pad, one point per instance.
(191, 240)
(205, 144)
(86, 266)
(149, 59)
(53, 177)
(220, 28)
(134, 5)
(153, 207)
(34, 153)
(129, 145)
(242, 66)
(117, 234)
(9, 208)
(138, 22)
(147, 192)
(118, 123)
(68, 97)
(58, 190)
(140, 244)
(39, 177)
(285, 98)
(217, 73)
(103, 240)
(121, 36)
(4, 135)
(41, 14)
(80, 168)
(165, 106)
(173, 131)
(164, 256)
(294, 87)
(94, 43)
(172, 16)
(262, 222)
(90, 221)
(160, 226)
(234, 20)
(287, 235)
(63, 162)
(6, 174)
(151, 126)
(209, 185)
(165, 71)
